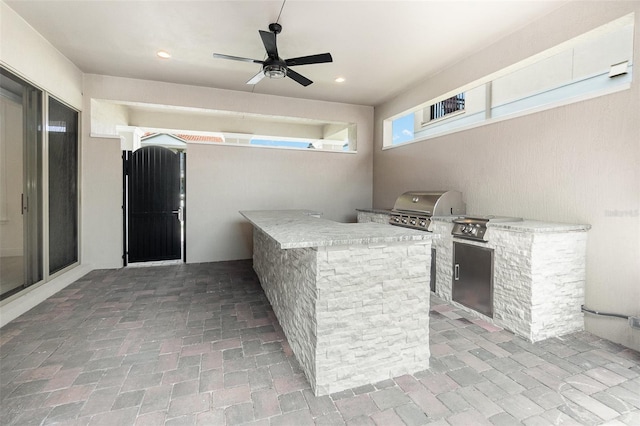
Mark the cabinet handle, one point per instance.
(456, 272)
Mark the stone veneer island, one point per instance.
(539, 274)
(352, 298)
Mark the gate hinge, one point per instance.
(125, 163)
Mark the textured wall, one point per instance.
(577, 163)
(101, 202)
(224, 179)
(31, 56)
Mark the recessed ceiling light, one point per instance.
(340, 80)
(163, 54)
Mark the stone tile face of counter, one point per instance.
(288, 279)
(443, 243)
(539, 278)
(353, 315)
(558, 280)
(364, 217)
(373, 313)
(539, 282)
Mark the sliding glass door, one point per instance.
(39, 203)
(63, 186)
(21, 141)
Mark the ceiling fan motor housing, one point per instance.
(275, 28)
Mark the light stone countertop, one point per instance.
(299, 228)
(526, 225)
(378, 211)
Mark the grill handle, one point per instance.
(456, 272)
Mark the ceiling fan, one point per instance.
(274, 66)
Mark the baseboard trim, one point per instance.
(38, 293)
(11, 252)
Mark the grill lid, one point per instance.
(414, 209)
(430, 203)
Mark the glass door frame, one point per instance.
(30, 98)
(45, 189)
(32, 204)
(35, 205)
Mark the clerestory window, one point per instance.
(593, 64)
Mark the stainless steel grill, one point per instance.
(414, 209)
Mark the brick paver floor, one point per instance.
(199, 344)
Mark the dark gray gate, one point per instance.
(153, 208)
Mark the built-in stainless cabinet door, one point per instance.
(473, 277)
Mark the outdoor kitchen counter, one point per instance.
(539, 274)
(526, 225)
(302, 228)
(376, 211)
(352, 299)
(374, 215)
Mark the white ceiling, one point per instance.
(379, 47)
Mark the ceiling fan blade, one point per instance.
(311, 59)
(269, 41)
(299, 78)
(256, 78)
(237, 58)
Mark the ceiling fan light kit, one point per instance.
(274, 66)
(275, 71)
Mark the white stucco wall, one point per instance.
(101, 202)
(223, 179)
(231, 123)
(579, 163)
(29, 55)
(106, 117)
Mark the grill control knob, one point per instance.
(396, 219)
(413, 221)
(404, 220)
(423, 223)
